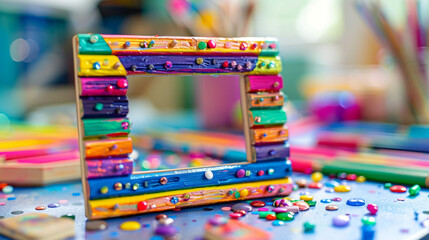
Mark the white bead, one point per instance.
(208, 174)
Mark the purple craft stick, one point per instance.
(271, 152)
(109, 167)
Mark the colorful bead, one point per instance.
(151, 43)
(398, 189)
(127, 44)
(271, 217)
(202, 45)
(116, 65)
(368, 221)
(270, 171)
(261, 172)
(248, 173)
(168, 65)
(271, 188)
(233, 64)
(241, 173)
(355, 202)
(306, 197)
(303, 206)
(316, 176)
(309, 227)
(117, 186)
(199, 61)
(225, 64)
(130, 226)
(257, 204)
(235, 215)
(351, 177)
(243, 46)
(7, 189)
(39, 208)
(315, 185)
(186, 196)
(278, 223)
(211, 44)
(414, 190)
(331, 207)
(109, 88)
(272, 45)
(125, 125)
(172, 44)
(271, 65)
(144, 44)
(360, 179)
(341, 220)
(336, 199)
(122, 83)
(104, 190)
(133, 68)
(342, 188)
(372, 208)
(163, 180)
(326, 200)
(98, 106)
(174, 200)
(136, 186)
(301, 183)
(96, 66)
(387, 185)
(142, 205)
(160, 216)
(208, 174)
(93, 38)
(287, 216)
(244, 192)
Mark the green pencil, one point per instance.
(408, 176)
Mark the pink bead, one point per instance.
(125, 125)
(261, 172)
(122, 83)
(372, 208)
(211, 44)
(272, 45)
(243, 46)
(235, 215)
(168, 64)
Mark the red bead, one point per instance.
(122, 83)
(315, 185)
(351, 177)
(261, 172)
(398, 189)
(2, 185)
(254, 46)
(159, 216)
(271, 217)
(372, 208)
(272, 45)
(225, 64)
(257, 204)
(211, 44)
(243, 46)
(109, 88)
(142, 205)
(241, 211)
(235, 215)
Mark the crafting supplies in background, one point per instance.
(38, 155)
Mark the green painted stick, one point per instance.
(267, 117)
(109, 127)
(409, 176)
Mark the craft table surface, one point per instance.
(395, 219)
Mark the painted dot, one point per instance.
(331, 207)
(202, 45)
(398, 189)
(40, 208)
(208, 174)
(355, 202)
(341, 220)
(130, 226)
(53, 205)
(17, 212)
(98, 106)
(342, 188)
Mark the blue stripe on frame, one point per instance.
(189, 178)
(165, 64)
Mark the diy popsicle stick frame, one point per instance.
(103, 65)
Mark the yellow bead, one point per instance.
(342, 188)
(244, 192)
(361, 179)
(306, 197)
(104, 190)
(317, 176)
(130, 226)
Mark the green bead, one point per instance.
(248, 173)
(311, 203)
(237, 194)
(295, 188)
(264, 214)
(202, 45)
(270, 171)
(98, 106)
(387, 185)
(285, 216)
(271, 65)
(309, 227)
(414, 190)
(68, 215)
(368, 221)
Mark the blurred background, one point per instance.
(333, 64)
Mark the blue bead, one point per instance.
(174, 200)
(356, 202)
(327, 200)
(332, 184)
(96, 66)
(127, 44)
